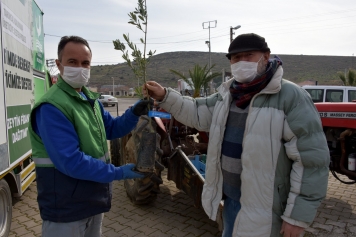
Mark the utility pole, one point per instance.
(232, 31)
(113, 85)
(208, 25)
(223, 75)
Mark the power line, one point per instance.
(280, 27)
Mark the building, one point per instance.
(116, 90)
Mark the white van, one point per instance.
(331, 93)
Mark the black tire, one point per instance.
(115, 152)
(113, 105)
(141, 191)
(5, 208)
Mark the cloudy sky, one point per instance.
(309, 27)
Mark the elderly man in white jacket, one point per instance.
(267, 154)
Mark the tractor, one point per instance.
(339, 124)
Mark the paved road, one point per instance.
(123, 105)
(173, 213)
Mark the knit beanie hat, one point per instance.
(247, 42)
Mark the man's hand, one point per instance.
(129, 173)
(289, 230)
(141, 107)
(153, 89)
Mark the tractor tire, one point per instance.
(140, 191)
(5, 208)
(115, 152)
(143, 191)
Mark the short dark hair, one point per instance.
(66, 39)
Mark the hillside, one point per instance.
(297, 68)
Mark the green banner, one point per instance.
(38, 38)
(18, 118)
(39, 88)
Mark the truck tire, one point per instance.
(145, 190)
(5, 208)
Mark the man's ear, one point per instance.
(59, 66)
(57, 63)
(266, 56)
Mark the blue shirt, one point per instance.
(62, 143)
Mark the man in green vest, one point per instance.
(69, 132)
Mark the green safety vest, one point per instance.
(85, 115)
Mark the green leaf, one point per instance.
(126, 37)
(134, 17)
(352, 77)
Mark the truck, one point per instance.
(331, 93)
(184, 88)
(24, 80)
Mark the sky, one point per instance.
(308, 27)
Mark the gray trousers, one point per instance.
(89, 227)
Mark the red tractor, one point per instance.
(339, 123)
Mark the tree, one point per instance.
(200, 77)
(139, 62)
(348, 79)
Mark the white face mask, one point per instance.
(76, 77)
(244, 71)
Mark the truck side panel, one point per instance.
(17, 76)
(4, 160)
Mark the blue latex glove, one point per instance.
(141, 107)
(129, 173)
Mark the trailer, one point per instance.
(24, 80)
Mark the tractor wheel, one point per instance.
(145, 190)
(115, 152)
(5, 208)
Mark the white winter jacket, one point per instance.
(284, 161)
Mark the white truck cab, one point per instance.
(331, 93)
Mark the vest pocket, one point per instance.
(90, 191)
(79, 189)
